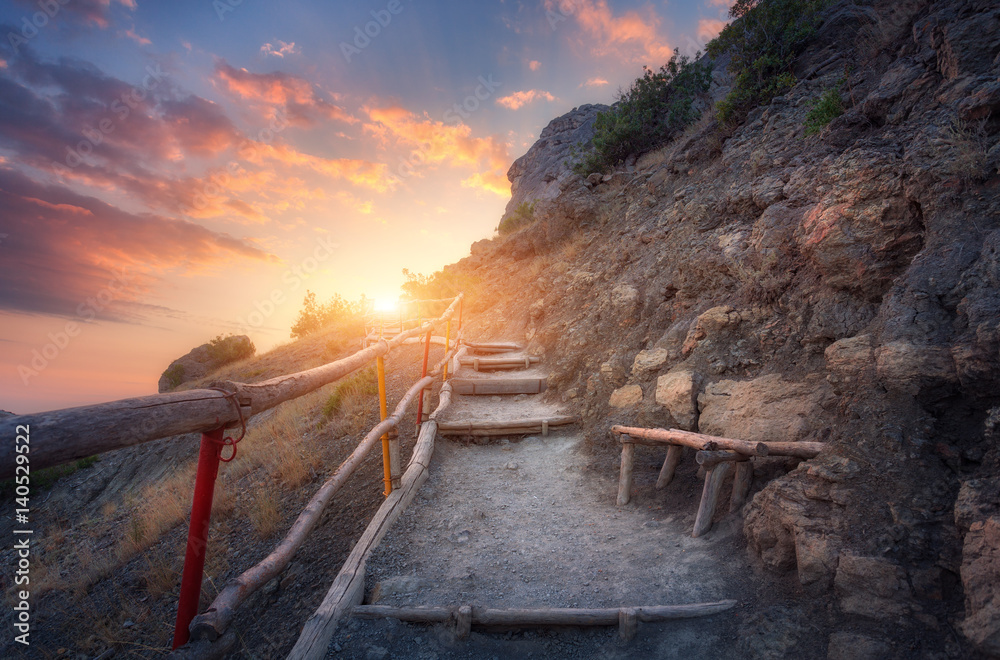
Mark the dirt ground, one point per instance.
(530, 522)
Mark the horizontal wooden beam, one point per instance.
(510, 427)
(688, 439)
(554, 616)
(483, 386)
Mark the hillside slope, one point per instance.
(760, 283)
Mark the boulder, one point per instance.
(793, 524)
(852, 646)
(626, 397)
(768, 408)
(646, 361)
(205, 359)
(906, 367)
(677, 391)
(872, 587)
(848, 359)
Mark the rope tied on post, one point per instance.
(229, 440)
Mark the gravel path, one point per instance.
(528, 524)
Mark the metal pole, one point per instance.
(383, 409)
(201, 514)
(423, 373)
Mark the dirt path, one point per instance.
(527, 524)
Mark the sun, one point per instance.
(385, 305)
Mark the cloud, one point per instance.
(709, 28)
(297, 96)
(720, 3)
(437, 142)
(594, 82)
(493, 182)
(282, 49)
(139, 39)
(519, 99)
(64, 248)
(88, 12)
(362, 173)
(633, 36)
(534, 65)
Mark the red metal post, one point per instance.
(201, 513)
(423, 374)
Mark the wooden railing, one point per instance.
(65, 435)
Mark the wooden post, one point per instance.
(709, 459)
(384, 412)
(395, 470)
(545, 428)
(628, 624)
(714, 477)
(463, 622)
(625, 477)
(741, 485)
(669, 466)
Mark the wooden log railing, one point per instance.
(626, 618)
(348, 587)
(717, 455)
(212, 624)
(62, 436)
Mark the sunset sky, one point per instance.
(166, 168)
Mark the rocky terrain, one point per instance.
(756, 282)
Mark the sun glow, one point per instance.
(385, 305)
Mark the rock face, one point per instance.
(842, 287)
(539, 174)
(205, 359)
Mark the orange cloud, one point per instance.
(363, 173)
(493, 182)
(594, 82)
(297, 95)
(521, 99)
(534, 65)
(709, 28)
(435, 142)
(631, 36)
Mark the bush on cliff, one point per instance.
(656, 108)
(764, 39)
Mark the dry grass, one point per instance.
(964, 147)
(264, 513)
(162, 571)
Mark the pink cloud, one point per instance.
(594, 82)
(632, 36)
(282, 49)
(534, 65)
(520, 99)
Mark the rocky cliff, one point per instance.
(757, 282)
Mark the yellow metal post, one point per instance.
(384, 410)
(447, 347)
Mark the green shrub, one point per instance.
(522, 216)
(361, 384)
(223, 350)
(43, 479)
(764, 39)
(656, 108)
(824, 110)
(174, 375)
(315, 316)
